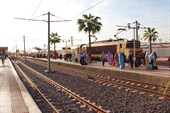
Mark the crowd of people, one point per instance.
(114, 59)
(82, 57)
(119, 59)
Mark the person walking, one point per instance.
(103, 58)
(3, 59)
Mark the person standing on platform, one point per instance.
(124, 57)
(89, 58)
(121, 60)
(103, 58)
(112, 59)
(60, 56)
(152, 59)
(3, 59)
(116, 59)
(73, 57)
(109, 58)
(147, 60)
(130, 58)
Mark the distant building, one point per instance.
(3, 50)
(162, 49)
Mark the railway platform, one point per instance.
(14, 98)
(161, 71)
(158, 77)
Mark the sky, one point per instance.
(113, 14)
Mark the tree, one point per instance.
(151, 35)
(17, 51)
(89, 24)
(55, 38)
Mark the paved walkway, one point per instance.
(14, 98)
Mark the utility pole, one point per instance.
(24, 49)
(66, 44)
(137, 28)
(16, 50)
(134, 46)
(48, 21)
(48, 65)
(71, 41)
(66, 47)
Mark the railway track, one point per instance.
(113, 98)
(127, 84)
(49, 101)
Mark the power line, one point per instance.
(48, 21)
(89, 8)
(37, 8)
(58, 17)
(38, 16)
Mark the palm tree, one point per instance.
(89, 24)
(151, 35)
(55, 38)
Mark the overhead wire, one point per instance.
(88, 9)
(37, 8)
(151, 19)
(39, 15)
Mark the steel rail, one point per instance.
(124, 85)
(35, 88)
(80, 99)
(71, 70)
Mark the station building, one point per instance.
(162, 49)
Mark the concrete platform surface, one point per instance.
(14, 98)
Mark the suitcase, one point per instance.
(154, 67)
(149, 67)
